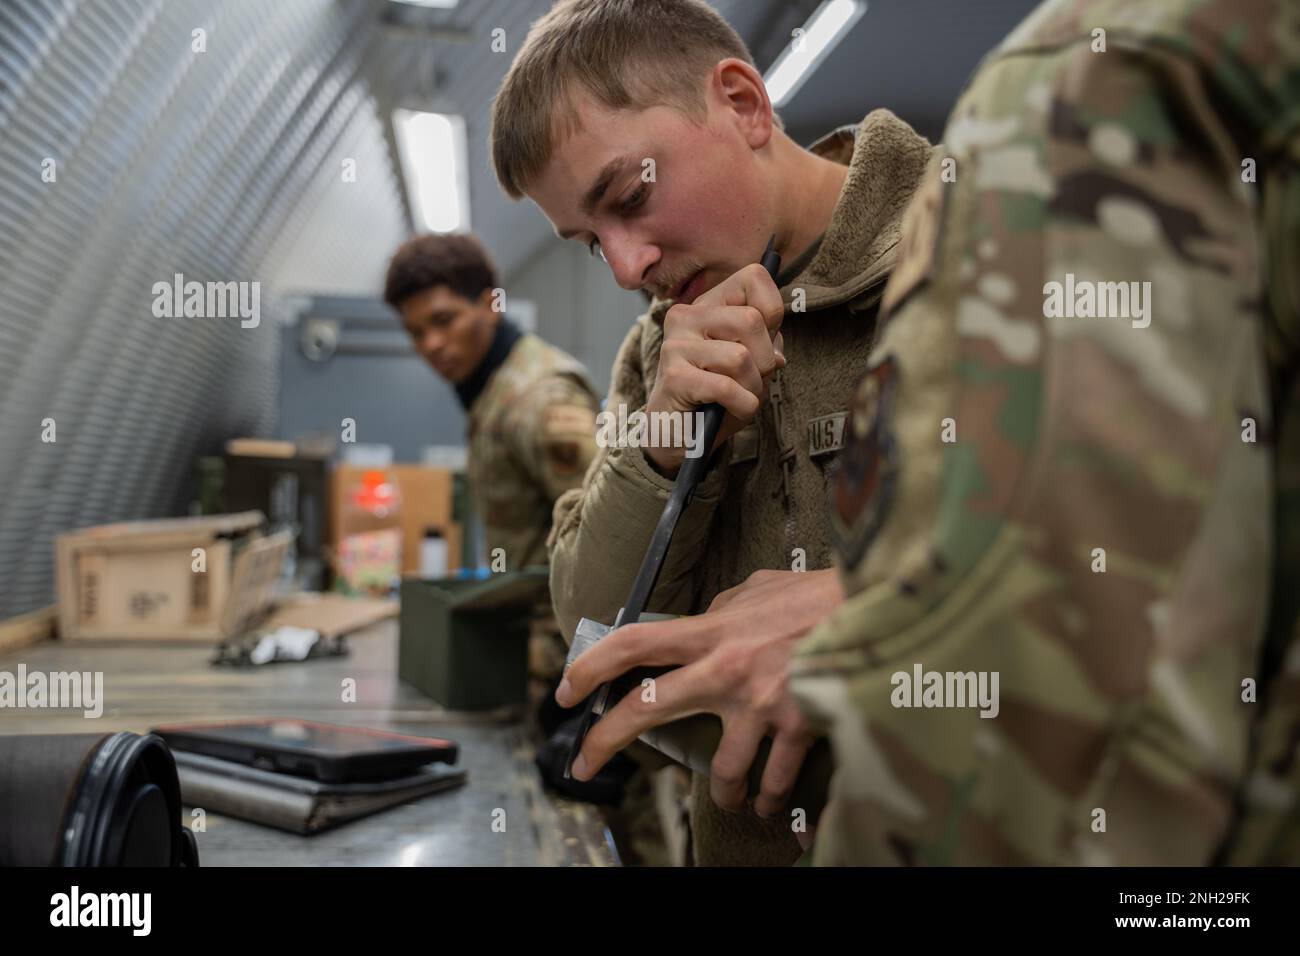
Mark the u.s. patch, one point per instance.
(826, 434)
(864, 484)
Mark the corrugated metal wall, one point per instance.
(211, 164)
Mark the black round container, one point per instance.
(91, 800)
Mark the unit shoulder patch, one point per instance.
(864, 483)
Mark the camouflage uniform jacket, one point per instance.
(750, 511)
(1101, 511)
(531, 436)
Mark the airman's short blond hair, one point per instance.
(627, 54)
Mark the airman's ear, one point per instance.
(737, 87)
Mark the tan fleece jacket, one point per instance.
(750, 512)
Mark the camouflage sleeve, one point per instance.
(601, 531)
(554, 433)
(1053, 508)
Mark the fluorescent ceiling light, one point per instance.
(432, 148)
(437, 4)
(824, 29)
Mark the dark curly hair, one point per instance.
(457, 261)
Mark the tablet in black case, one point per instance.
(327, 752)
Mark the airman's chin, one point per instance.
(446, 371)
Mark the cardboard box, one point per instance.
(426, 502)
(465, 642)
(137, 579)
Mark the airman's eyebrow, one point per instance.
(597, 191)
(591, 199)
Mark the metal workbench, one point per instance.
(146, 685)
